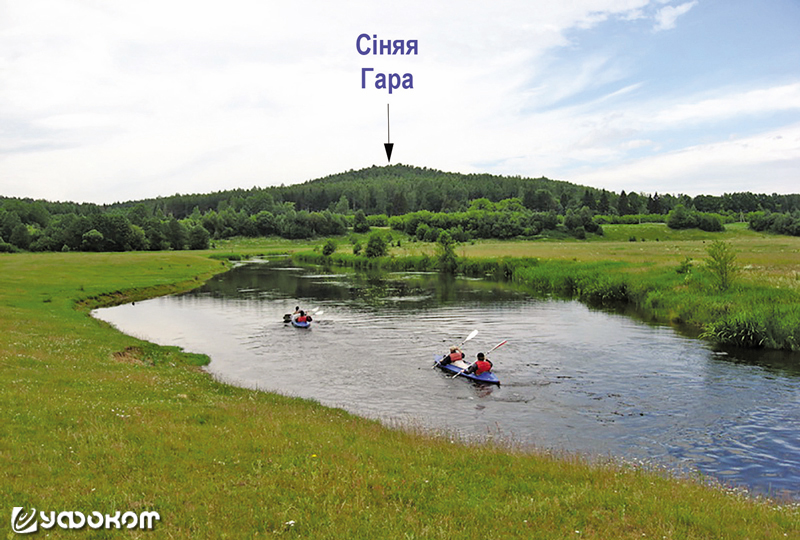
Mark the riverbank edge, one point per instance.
(747, 315)
(560, 495)
(136, 294)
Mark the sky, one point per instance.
(106, 101)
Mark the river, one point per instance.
(573, 379)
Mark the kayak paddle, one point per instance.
(469, 337)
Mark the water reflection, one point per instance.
(572, 378)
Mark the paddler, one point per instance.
(302, 317)
(455, 355)
(481, 365)
(292, 316)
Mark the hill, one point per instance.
(326, 206)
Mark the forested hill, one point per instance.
(390, 190)
(470, 205)
(399, 189)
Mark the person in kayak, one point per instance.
(292, 316)
(302, 317)
(455, 355)
(481, 365)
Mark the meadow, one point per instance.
(648, 269)
(94, 420)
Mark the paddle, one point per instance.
(469, 337)
(485, 355)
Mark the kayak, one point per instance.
(455, 367)
(304, 324)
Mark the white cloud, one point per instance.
(667, 16)
(128, 100)
(714, 168)
(758, 101)
(113, 101)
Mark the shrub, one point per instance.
(378, 220)
(432, 234)
(446, 259)
(360, 224)
(722, 263)
(376, 246)
(329, 248)
(681, 218)
(199, 238)
(685, 267)
(421, 230)
(710, 223)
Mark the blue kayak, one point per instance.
(304, 324)
(455, 367)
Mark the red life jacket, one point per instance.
(483, 366)
(301, 318)
(456, 356)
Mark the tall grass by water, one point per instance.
(746, 315)
(93, 420)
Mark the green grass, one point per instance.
(659, 232)
(664, 281)
(93, 420)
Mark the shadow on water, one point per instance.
(573, 378)
(781, 363)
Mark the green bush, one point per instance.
(360, 224)
(329, 248)
(685, 267)
(376, 246)
(722, 264)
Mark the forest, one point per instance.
(418, 201)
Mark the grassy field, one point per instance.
(662, 275)
(766, 259)
(93, 420)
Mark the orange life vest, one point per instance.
(456, 356)
(483, 366)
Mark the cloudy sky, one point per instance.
(108, 101)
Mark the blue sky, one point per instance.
(111, 101)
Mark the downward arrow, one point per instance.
(388, 145)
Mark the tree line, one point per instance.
(418, 201)
(399, 189)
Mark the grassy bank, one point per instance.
(662, 275)
(93, 420)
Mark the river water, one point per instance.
(573, 379)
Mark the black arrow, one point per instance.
(388, 145)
